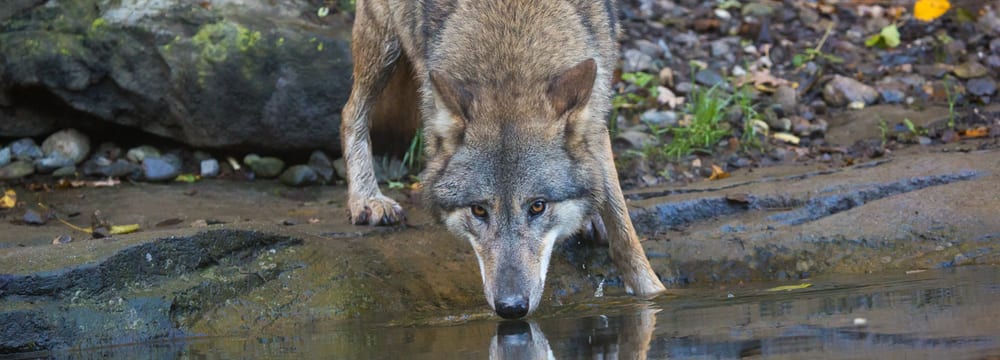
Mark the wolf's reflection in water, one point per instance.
(525, 340)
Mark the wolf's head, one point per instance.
(514, 178)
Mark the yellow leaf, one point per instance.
(786, 137)
(124, 229)
(718, 173)
(188, 178)
(928, 10)
(981, 131)
(790, 287)
(8, 200)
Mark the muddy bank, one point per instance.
(276, 259)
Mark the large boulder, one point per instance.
(259, 74)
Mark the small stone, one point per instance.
(970, 69)
(67, 144)
(786, 97)
(892, 91)
(634, 139)
(778, 154)
(993, 61)
(635, 61)
(199, 223)
(101, 166)
(648, 47)
(16, 170)
(961, 259)
(983, 86)
(800, 126)
(723, 14)
(108, 150)
(949, 136)
(843, 90)
(340, 167)
(264, 167)
(659, 118)
(933, 71)
(708, 77)
(684, 87)
(757, 9)
(159, 169)
(32, 217)
(66, 171)
(923, 140)
(52, 162)
(209, 168)
(62, 239)
(720, 48)
(25, 149)
(320, 163)
(4, 156)
(299, 175)
(140, 153)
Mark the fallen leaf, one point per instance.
(188, 178)
(763, 80)
(124, 229)
(718, 173)
(786, 137)
(890, 34)
(928, 10)
(313, 220)
(9, 199)
(667, 97)
(978, 132)
(789, 287)
(105, 183)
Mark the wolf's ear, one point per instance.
(457, 96)
(571, 89)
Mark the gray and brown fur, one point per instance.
(513, 95)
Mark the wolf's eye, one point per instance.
(537, 207)
(478, 211)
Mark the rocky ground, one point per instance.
(833, 157)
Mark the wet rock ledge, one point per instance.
(263, 259)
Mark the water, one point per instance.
(939, 314)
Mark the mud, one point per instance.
(279, 261)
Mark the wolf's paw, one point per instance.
(376, 210)
(645, 286)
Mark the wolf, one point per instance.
(512, 97)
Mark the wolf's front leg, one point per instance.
(626, 251)
(375, 50)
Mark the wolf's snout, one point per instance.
(512, 307)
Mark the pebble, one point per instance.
(635, 139)
(708, 77)
(159, 168)
(970, 69)
(720, 48)
(209, 168)
(648, 47)
(923, 140)
(32, 217)
(4, 156)
(264, 167)
(52, 162)
(786, 97)
(684, 87)
(25, 149)
(635, 61)
(101, 166)
(67, 144)
(659, 118)
(16, 170)
(140, 153)
(993, 61)
(340, 167)
(891, 91)
(321, 164)
(842, 90)
(66, 171)
(983, 86)
(299, 175)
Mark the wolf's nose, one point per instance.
(512, 307)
